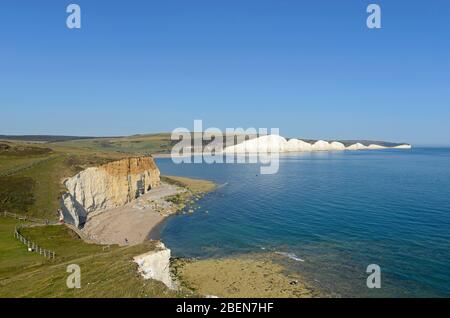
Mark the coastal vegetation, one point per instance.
(196, 186)
(106, 272)
(137, 144)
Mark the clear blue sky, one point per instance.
(311, 68)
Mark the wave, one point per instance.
(221, 185)
(291, 256)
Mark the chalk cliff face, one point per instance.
(156, 265)
(275, 143)
(107, 186)
(263, 144)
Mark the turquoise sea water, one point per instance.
(331, 214)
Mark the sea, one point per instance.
(328, 216)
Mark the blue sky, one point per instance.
(311, 68)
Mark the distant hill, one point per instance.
(373, 142)
(364, 142)
(145, 143)
(42, 138)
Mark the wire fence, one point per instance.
(32, 246)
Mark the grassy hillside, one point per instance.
(14, 258)
(104, 273)
(138, 144)
(40, 138)
(31, 175)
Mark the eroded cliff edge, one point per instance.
(107, 186)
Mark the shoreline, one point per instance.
(253, 274)
(209, 186)
(244, 275)
(155, 233)
(142, 219)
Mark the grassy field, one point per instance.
(13, 255)
(138, 144)
(109, 273)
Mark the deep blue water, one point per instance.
(339, 212)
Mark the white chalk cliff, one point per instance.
(357, 146)
(298, 145)
(276, 143)
(263, 144)
(156, 265)
(107, 186)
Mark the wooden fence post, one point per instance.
(31, 246)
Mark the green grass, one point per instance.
(16, 194)
(22, 149)
(60, 239)
(47, 189)
(13, 255)
(110, 273)
(138, 144)
(10, 165)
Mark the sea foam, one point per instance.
(291, 256)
